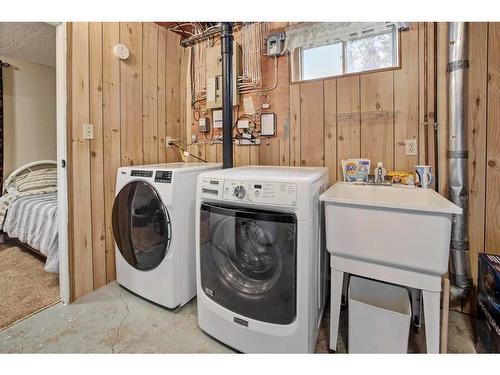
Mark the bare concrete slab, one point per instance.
(113, 320)
(110, 320)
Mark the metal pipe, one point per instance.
(227, 93)
(436, 135)
(458, 65)
(426, 93)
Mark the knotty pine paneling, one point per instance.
(111, 128)
(312, 125)
(131, 104)
(377, 133)
(406, 91)
(97, 156)
(349, 121)
(492, 232)
(131, 95)
(80, 197)
(478, 80)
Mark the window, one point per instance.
(371, 52)
(322, 61)
(360, 54)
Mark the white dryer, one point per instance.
(153, 225)
(261, 258)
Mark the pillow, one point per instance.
(35, 180)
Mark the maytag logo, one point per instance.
(241, 321)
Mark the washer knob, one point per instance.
(240, 192)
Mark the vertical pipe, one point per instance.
(436, 134)
(458, 66)
(227, 93)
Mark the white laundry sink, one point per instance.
(400, 227)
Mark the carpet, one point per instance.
(25, 287)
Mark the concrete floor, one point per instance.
(113, 320)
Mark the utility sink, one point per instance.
(400, 227)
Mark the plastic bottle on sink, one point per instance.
(380, 173)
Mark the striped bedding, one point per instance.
(33, 220)
(42, 181)
(28, 212)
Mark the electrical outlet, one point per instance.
(168, 140)
(88, 131)
(411, 147)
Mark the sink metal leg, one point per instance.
(337, 279)
(416, 306)
(432, 319)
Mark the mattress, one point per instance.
(33, 221)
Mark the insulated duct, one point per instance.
(227, 93)
(458, 65)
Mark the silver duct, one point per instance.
(458, 65)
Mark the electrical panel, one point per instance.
(214, 75)
(275, 44)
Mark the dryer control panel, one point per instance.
(275, 193)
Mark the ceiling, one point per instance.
(31, 41)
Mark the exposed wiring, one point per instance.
(187, 153)
(266, 97)
(247, 91)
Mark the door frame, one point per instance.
(62, 174)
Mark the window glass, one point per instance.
(372, 52)
(322, 61)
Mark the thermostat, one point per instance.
(121, 51)
(275, 44)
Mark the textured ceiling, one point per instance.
(31, 41)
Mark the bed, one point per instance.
(28, 210)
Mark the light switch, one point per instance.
(88, 131)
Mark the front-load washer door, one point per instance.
(248, 261)
(141, 225)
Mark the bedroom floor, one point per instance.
(25, 287)
(112, 320)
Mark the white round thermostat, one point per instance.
(121, 51)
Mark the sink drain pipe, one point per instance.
(458, 193)
(227, 94)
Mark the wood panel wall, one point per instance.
(133, 105)
(319, 122)
(322, 122)
(483, 138)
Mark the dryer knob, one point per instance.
(240, 192)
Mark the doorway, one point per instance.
(33, 217)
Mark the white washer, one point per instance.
(261, 258)
(153, 225)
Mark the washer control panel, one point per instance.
(276, 193)
(141, 173)
(163, 176)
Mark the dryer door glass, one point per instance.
(248, 261)
(141, 225)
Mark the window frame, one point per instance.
(296, 59)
